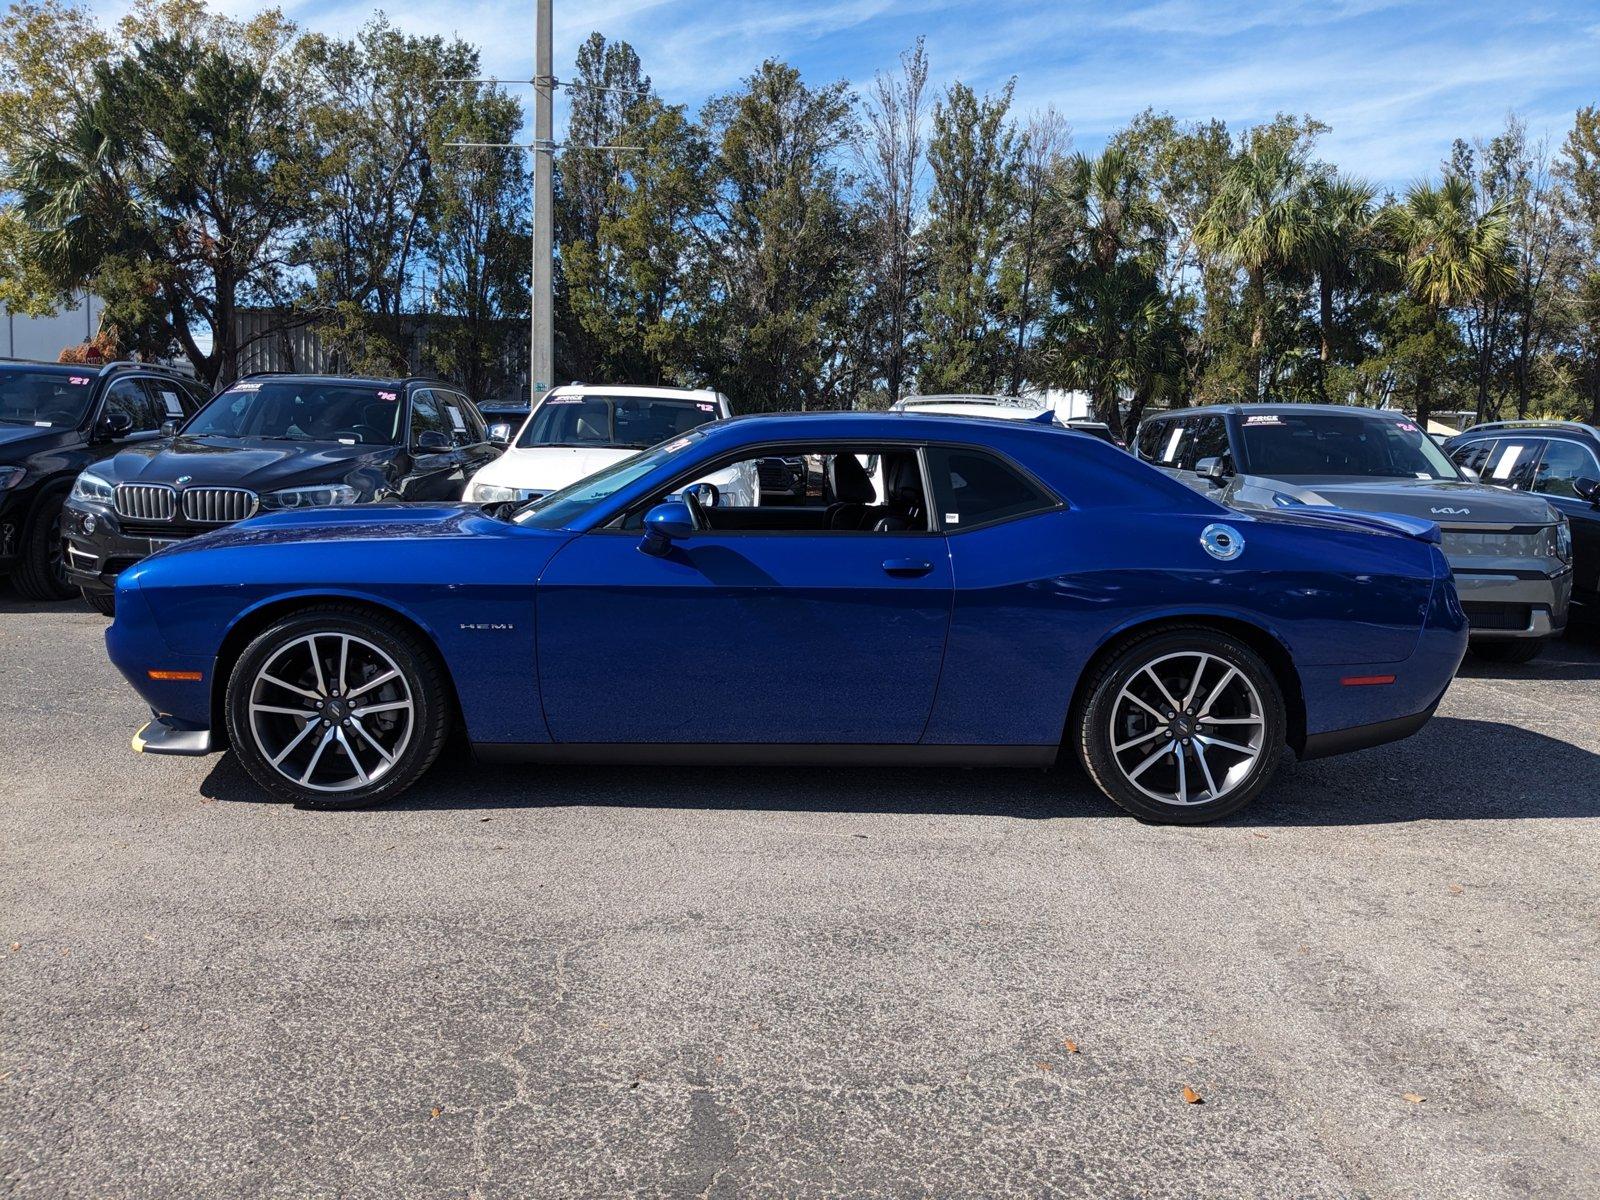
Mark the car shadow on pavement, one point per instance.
(1453, 770)
(1571, 658)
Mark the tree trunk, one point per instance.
(1325, 323)
(1258, 332)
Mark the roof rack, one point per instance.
(1534, 423)
(129, 364)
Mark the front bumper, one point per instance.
(1514, 605)
(169, 735)
(97, 549)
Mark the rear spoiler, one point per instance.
(1412, 527)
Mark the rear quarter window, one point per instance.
(972, 488)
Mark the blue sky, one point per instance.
(1396, 81)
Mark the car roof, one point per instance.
(639, 390)
(1246, 409)
(1576, 431)
(392, 381)
(892, 426)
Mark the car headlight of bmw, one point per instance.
(320, 495)
(91, 488)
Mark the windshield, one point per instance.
(558, 508)
(45, 399)
(637, 421)
(306, 411)
(1321, 443)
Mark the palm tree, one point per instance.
(1450, 255)
(1342, 237)
(1262, 222)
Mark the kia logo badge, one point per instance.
(1451, 512)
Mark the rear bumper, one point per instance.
(1362, 737)
(1514, 606)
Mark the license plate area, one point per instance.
(162, 543)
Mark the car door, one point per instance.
(434, 471)
(744, 636)
(1555, 477)
(129, 412)
(470, 434)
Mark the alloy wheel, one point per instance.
(331, 712)
(1187, 728)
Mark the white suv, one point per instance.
(579, 429)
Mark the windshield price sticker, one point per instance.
(565, 400)
(455, 419)
(245, 387)
(678, 445)
(1264, 419)
(388, 395)
(174, 408)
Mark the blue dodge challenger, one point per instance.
(946, 590)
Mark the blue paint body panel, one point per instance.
(574, 635)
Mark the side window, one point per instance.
(973, 488)
(1563, 464)
(1172, 444)
(1510, 463)
(1210, 440)
(129, 397)
(1149, 441)
(426, 416)
(1473, 455)
(466, 426)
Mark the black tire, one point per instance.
(1516, 650)
(423, 681)
(1098, 708)
(104, 603)
(40, 573)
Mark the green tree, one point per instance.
(974, 163)
(1342, 242)
(775, 267)
(1579, 174)
(1262, 223)
(1450, 256)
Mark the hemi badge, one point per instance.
(176, 676)
(1366, 680)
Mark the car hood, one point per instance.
(547, 468)
(19, 441)
(261, 464)
(362, 522)
(1446, 502)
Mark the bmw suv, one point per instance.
(1558, 461)
(270, 442)
(1511, 554)
(55, 419)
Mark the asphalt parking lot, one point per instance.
(1382, 979)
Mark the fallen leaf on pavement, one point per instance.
(435, 1112)
(1043, 1066)
(1072, 1046)
(1414, 1098)
(1190, 1096)
(16, 946)
(1456, 889)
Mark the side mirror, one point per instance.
(169, 428)
(500, 433)
(666, 523)
(115, 424)
(1214, 470)
(432, 441)
(1588, 488)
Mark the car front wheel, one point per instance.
(1182, 726)
(337, 707)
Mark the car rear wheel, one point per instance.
(41, 573)
(1182, 726)
(337, 707)
(1517, 650)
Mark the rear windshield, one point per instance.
(43, 399)
(634, 421)
(282, 410)
(1383, 447)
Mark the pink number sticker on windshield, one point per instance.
(1405, 426)
(388, 395)
(706, 407)
(79, 380)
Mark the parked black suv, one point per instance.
(1511, 555)
(55, 419)
(269, 442)
(1558, 461)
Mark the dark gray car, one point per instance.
(1511, 553)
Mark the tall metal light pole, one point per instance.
(543, 359)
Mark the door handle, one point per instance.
(906, 568)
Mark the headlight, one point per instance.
(92, 488)
(489, 493)
(318, 496)
(1564, 541)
